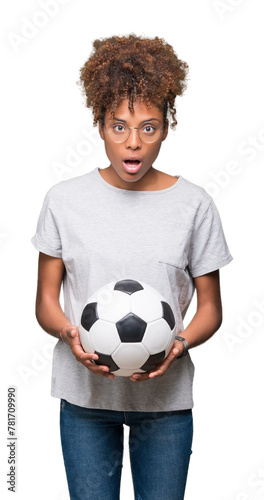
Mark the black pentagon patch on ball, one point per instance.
(89, 315)
(128, 286)
(131, 328)
(106, 359)
(153, 361)
(168, 314)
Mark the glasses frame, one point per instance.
(135, 128)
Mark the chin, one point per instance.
(129, 176)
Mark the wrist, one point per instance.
(62, 333)
(185, 345)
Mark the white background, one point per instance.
(218, 144)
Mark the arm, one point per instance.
(48, 309)
(206, 321)
(51, 316)
(208, 317)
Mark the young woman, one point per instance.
(128, 219)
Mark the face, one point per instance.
(132, 160)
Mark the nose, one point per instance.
(133, 140)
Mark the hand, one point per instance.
(175, 352)
(71, 335)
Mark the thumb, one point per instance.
(73, 334)
(174, 352)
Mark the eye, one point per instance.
(117, 127)
(148, 129)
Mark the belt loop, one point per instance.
(126, 418)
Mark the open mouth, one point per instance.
(132, 166)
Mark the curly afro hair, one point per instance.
(132, 67)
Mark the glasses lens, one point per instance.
(149, 133)
(118, 132)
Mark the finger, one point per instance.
(81, 355)
(139, 377)
(100, 370)
(77, 348)
(174, 353)
(88, 360)
(159, 370)
(164, 365)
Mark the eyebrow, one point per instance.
(144, 121)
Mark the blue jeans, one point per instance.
(92, 445)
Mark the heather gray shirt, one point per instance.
(103, 234)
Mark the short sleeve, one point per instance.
(47, 237)
(208, 249)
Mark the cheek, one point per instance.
(112, 150)
(153, 153)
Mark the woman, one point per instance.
(128, 219)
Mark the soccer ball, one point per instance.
(129, 325)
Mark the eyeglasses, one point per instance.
(118, 132)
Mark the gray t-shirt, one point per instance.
(103, 234)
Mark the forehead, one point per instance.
(141, 111)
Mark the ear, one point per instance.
(165, 130)
(101, 130)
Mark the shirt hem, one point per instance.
(45, 249)
(96, 406)
(211, 268)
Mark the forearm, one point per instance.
(204, 324)
(50, 316)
